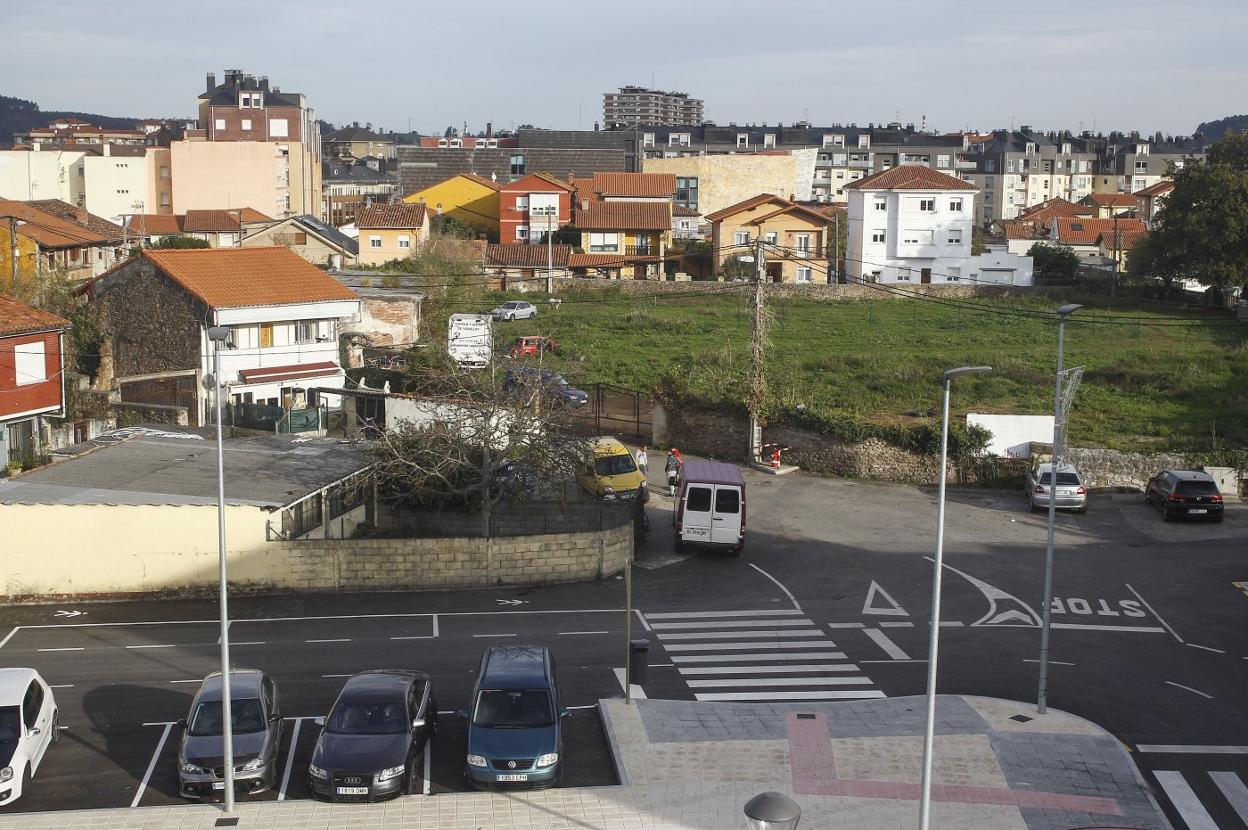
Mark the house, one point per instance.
(1109, 205)
(1149, 201)
(308, 237)
(356, 142)
(909, 224)
(525, 267)
(350, 186)
(151, 228)
(794, 238)
(620, 187)
(1021, 234)
(465, 197)
(711, 183)
(282, 312)
(46, 242)
(219, 228)
(32, 378)
(391, 232)
(1098, 242)
(686, 223)
(625, 239)
(532, 206)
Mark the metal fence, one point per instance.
(260, 416)
(616, 410)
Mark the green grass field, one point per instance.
(1147, 386)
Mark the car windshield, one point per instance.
(1063, 479)
(615, 465)
(245, 716)
(1198, 488)
(513, 708)
(10, 729)
(368, 717)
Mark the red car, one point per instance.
(533, 345)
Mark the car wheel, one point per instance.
(26, 780)
(512, 317)
(1083, 509)
(735, 550)
(56, 727)
(678, 545)
(1165, 515)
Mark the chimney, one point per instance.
(80, 214)
(212, 81)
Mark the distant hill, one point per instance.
(1213, 130)
(18, 115)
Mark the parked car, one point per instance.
(1187, 493)
(29, 724)
(1071, 492)
(375, 736)
(256, 722)
(533, 346)
(514, 310)
(613, 474)
(711, 506)
(515, 737)
(552, 385)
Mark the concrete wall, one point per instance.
(43, 174)
(728, 179)
(224, 175)
(1012, 435)
(118, 185)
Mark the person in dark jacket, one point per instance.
(672, 467)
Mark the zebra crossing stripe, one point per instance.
(858, 694)
(1185, 801)
(734, 624)
(824, 643)
(780, 681)
(1233, 788)
(728, 635)
(745, 658)
(765, 669)
(702, 615)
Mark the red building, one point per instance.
(531, 206)
(32, 377)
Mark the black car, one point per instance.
(548, 381)
(1187, 493)
(373, 740)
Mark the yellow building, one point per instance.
(465, 197)
(391, 232)
(795, 238)
(627, 240)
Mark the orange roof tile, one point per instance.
(1077, 230)
(645, 185)
(1054, 207)
(481, 180)
(681, 210)
(211, 221)
(1111, 199)
(625, 216)
(606, 260)
(1019, 229)
(910, 177)
(151, 224)
(252, 215)
(747, 204)
(401, 216)
(525, 256)
(16, 317)
(808, 213)
(46, 230)
(1162, 187)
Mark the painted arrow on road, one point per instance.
(64, 613)
(512, 601)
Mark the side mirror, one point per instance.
(180, 723)
(565, 713)
(276, 716)
(418, 723)
(463, 713)
(319, 721)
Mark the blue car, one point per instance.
(550, 383)
(515, 737)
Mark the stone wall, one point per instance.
(814, 291)
(149, 324)
(1110, 469)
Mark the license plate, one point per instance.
(218, 785)
(513, 777)
(353, 791)
(1198, 512)
(1065, 492)
(696, 531)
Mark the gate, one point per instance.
(614, 410)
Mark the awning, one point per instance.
(297, 371)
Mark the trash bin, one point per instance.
(638, 655)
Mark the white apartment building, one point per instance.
(911, 225)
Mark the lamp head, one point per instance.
(953, 374)
(218, 334)
(1069, 308)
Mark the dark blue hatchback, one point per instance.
(515, 739)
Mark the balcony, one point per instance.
(965, 165)
(641, 250)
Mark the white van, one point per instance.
(711, 506)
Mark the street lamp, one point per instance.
(1042, 697)
(218, 335)
(925, 800)
(772, 811)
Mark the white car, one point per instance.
(29, 724)
(514, 310)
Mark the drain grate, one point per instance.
(1020, 718)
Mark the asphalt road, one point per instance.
(831, 600)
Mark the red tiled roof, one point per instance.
(525, 256)
(681, 210)
(748, 204)
(18, 318)
(402, 216)
(240, 277)
(621, 216)
(1079, 231)
(808, 213)
(645, 185)
(604, 260)
(211, 221)
(1019, 229)
(252, 215)
(151, 224)
(79, 217)
(1111, 199)
(47, 230)
(523, 185)
(1054, 207)
(910, 177)
(481, 180)
(1162, 187)
(271, 374)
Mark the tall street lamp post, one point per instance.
(925, 800)
(1042, 697)
(218, 335)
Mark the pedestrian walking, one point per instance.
(672, 467)
(643, 460)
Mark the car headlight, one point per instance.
(252, 765)
(549, 759)
(317, 772)
(390, 772)
(608, 492)
(189, 769)
(475, 760)
(6, 774)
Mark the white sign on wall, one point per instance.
(1012, 434)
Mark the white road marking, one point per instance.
(331, 640)
(196, 680)
(847, 625)
(63, 686)
(828, 695)
(637, 693)
(166, 645)
(1140, 629)
(1206, 648)
(661, 665)
(9, 636)
(436, 633)
(478, 636)
(1192, 749)
(336, 675)
(886, 645)
(1185, 801)
(735, 624)
(725, 635)
(62, 649)
(1232, 787)
(892, 607)
(1051, 662)
(895, 624)
(571, 633)
(159, 723)
(415, 637)
(746, 658)
(768, 669)
(642, 618)
(780, 681)
(949, 624)
(428, 753)
(741, 646)
(701, 615)
(151, 766)
(586, 706)
(910, 660)
(248, 643)
(290, 759)
(1189, 689)
(779, 585)
(1144, 602)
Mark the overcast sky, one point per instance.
(1142, 65)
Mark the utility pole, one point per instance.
(550, 255)
(757, 379)
(836, 247)
(1117, 260)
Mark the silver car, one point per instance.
(514, 310)
(257, 734)
(1071, 492)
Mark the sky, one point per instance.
(1125, 65)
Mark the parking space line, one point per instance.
(336, 675)
(290, 759)
(415, 637)
(79, 648)
(153, 645)
(571, 633)
(886, 645)
(151, 766)
(251, 643)
(481, 636)
(1189, 689)
(1191, 749)
(428, 763)
(1144, 602)
(1206, 648)
(197, 680)
(1140, 629)
(435, 625)
(331, 640)
(62, 686)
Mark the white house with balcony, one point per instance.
(910, 225)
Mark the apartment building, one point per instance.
(531, 207)
(635, 105)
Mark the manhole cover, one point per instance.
(1020, 718)
(804, 716)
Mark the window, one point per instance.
(604, 242)
(457, 142)
(31, 363)
(522, 203)
(988, 182)
(942, 161)
(678, 140)
(881, 204)
(803, 274)
(743, 139)
(278, 128)
(878, 235)
(727, 500)
(647, 139)
(698, 500)
(875, 276)
(301, 238)
(840, 174)
(164, 200)
(954, 236)
(1141, 166)
(374, 241)
(517, 164)
(1031, 148)
(244, 100)
(772, 237)
(864, 141)
(741, 238)
(840, 159)
(31, 704)
(164, 172)
(1141, 149)
(522, 232)
(687, 192)
(955, 273)
(305, 331)
(903, 276)
(769, 140)
(405, 241)
(927, 205)
(1140, 184)
(219, 123)
(916, 237)
(831, 140)
(244, 337)
(266, 335)
(246, 123)
(801, 242)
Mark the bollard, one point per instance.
(638, 654)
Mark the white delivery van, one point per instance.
(710, 509)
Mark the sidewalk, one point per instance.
(692, 766)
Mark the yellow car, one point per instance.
(614, 474)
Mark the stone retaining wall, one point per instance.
(1111, 469)
(815, 291)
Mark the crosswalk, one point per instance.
(765, 655)
(1206, 799)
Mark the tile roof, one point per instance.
(1019, 229)
(522, 184)
(644, 185)
(66, 211)
(240, 277)
(808, 213)
(18, 318)
(1051, 208)
(748, 204)
(1162, 187)
(252, 215)
(910, 177)
(639, 216)
(605, 260)
(525, 256)
(681, 210)
(47, 230)
(481, 180)
(210, 221)
(401, 215)
(1111, 199)
(151, 224)
(1080, 231)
